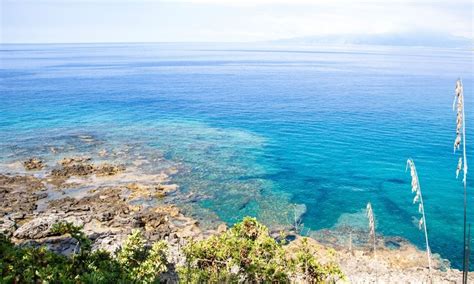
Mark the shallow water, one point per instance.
(254, 130)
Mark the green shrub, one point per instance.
(310, 269)
(247, 253)
(135, 262)
(139, 261)
(31, 265)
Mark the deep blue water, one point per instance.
(258, 128)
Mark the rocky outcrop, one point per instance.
(19, 195)
(106, 213)
(37, 228)
(82, 167)
(107, 219)
(33, 164)
(149, 191)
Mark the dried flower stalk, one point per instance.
(416, 189)
(458, 105)
(370, 216)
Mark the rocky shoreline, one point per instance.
(32, 202)
(107, 213)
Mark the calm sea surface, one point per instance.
(255, 129)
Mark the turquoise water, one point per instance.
(255, 129)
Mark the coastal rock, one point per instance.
(150, 191)
(222, 228)
(108, 170)
(108, 241)
(103, 205)
(74, 160)
(81, 166)
(110, 210)
(29, 183)
(17, 216)
(41, 226)
(73, 170)
(189, 232)
(33, 164)
(19, 194)
(7, 227)
(37, 228)
(165, 189)
(64, 245)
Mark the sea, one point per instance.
(266, 130)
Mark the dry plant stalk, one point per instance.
(370, 216)
(416, 189)
(458, 105)
(350, 242)
(296, 221)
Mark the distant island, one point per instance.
(427, 39)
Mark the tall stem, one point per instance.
(428, 250)
(464, 270)
(466, 253)
(375, 255)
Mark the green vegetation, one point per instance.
(134, 261)
(247, 253)
(244, 253)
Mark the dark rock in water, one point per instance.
(397, 181)
(82, 167)
(392, 244)
(73, 170)
(33, 164)
(108, 170)
(74, 160)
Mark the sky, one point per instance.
(71, 21)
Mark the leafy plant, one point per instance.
(135, 263)
(311, 270)
(139, 261)
(247, 253)
(246, 250)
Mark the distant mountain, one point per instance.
(402, 39)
